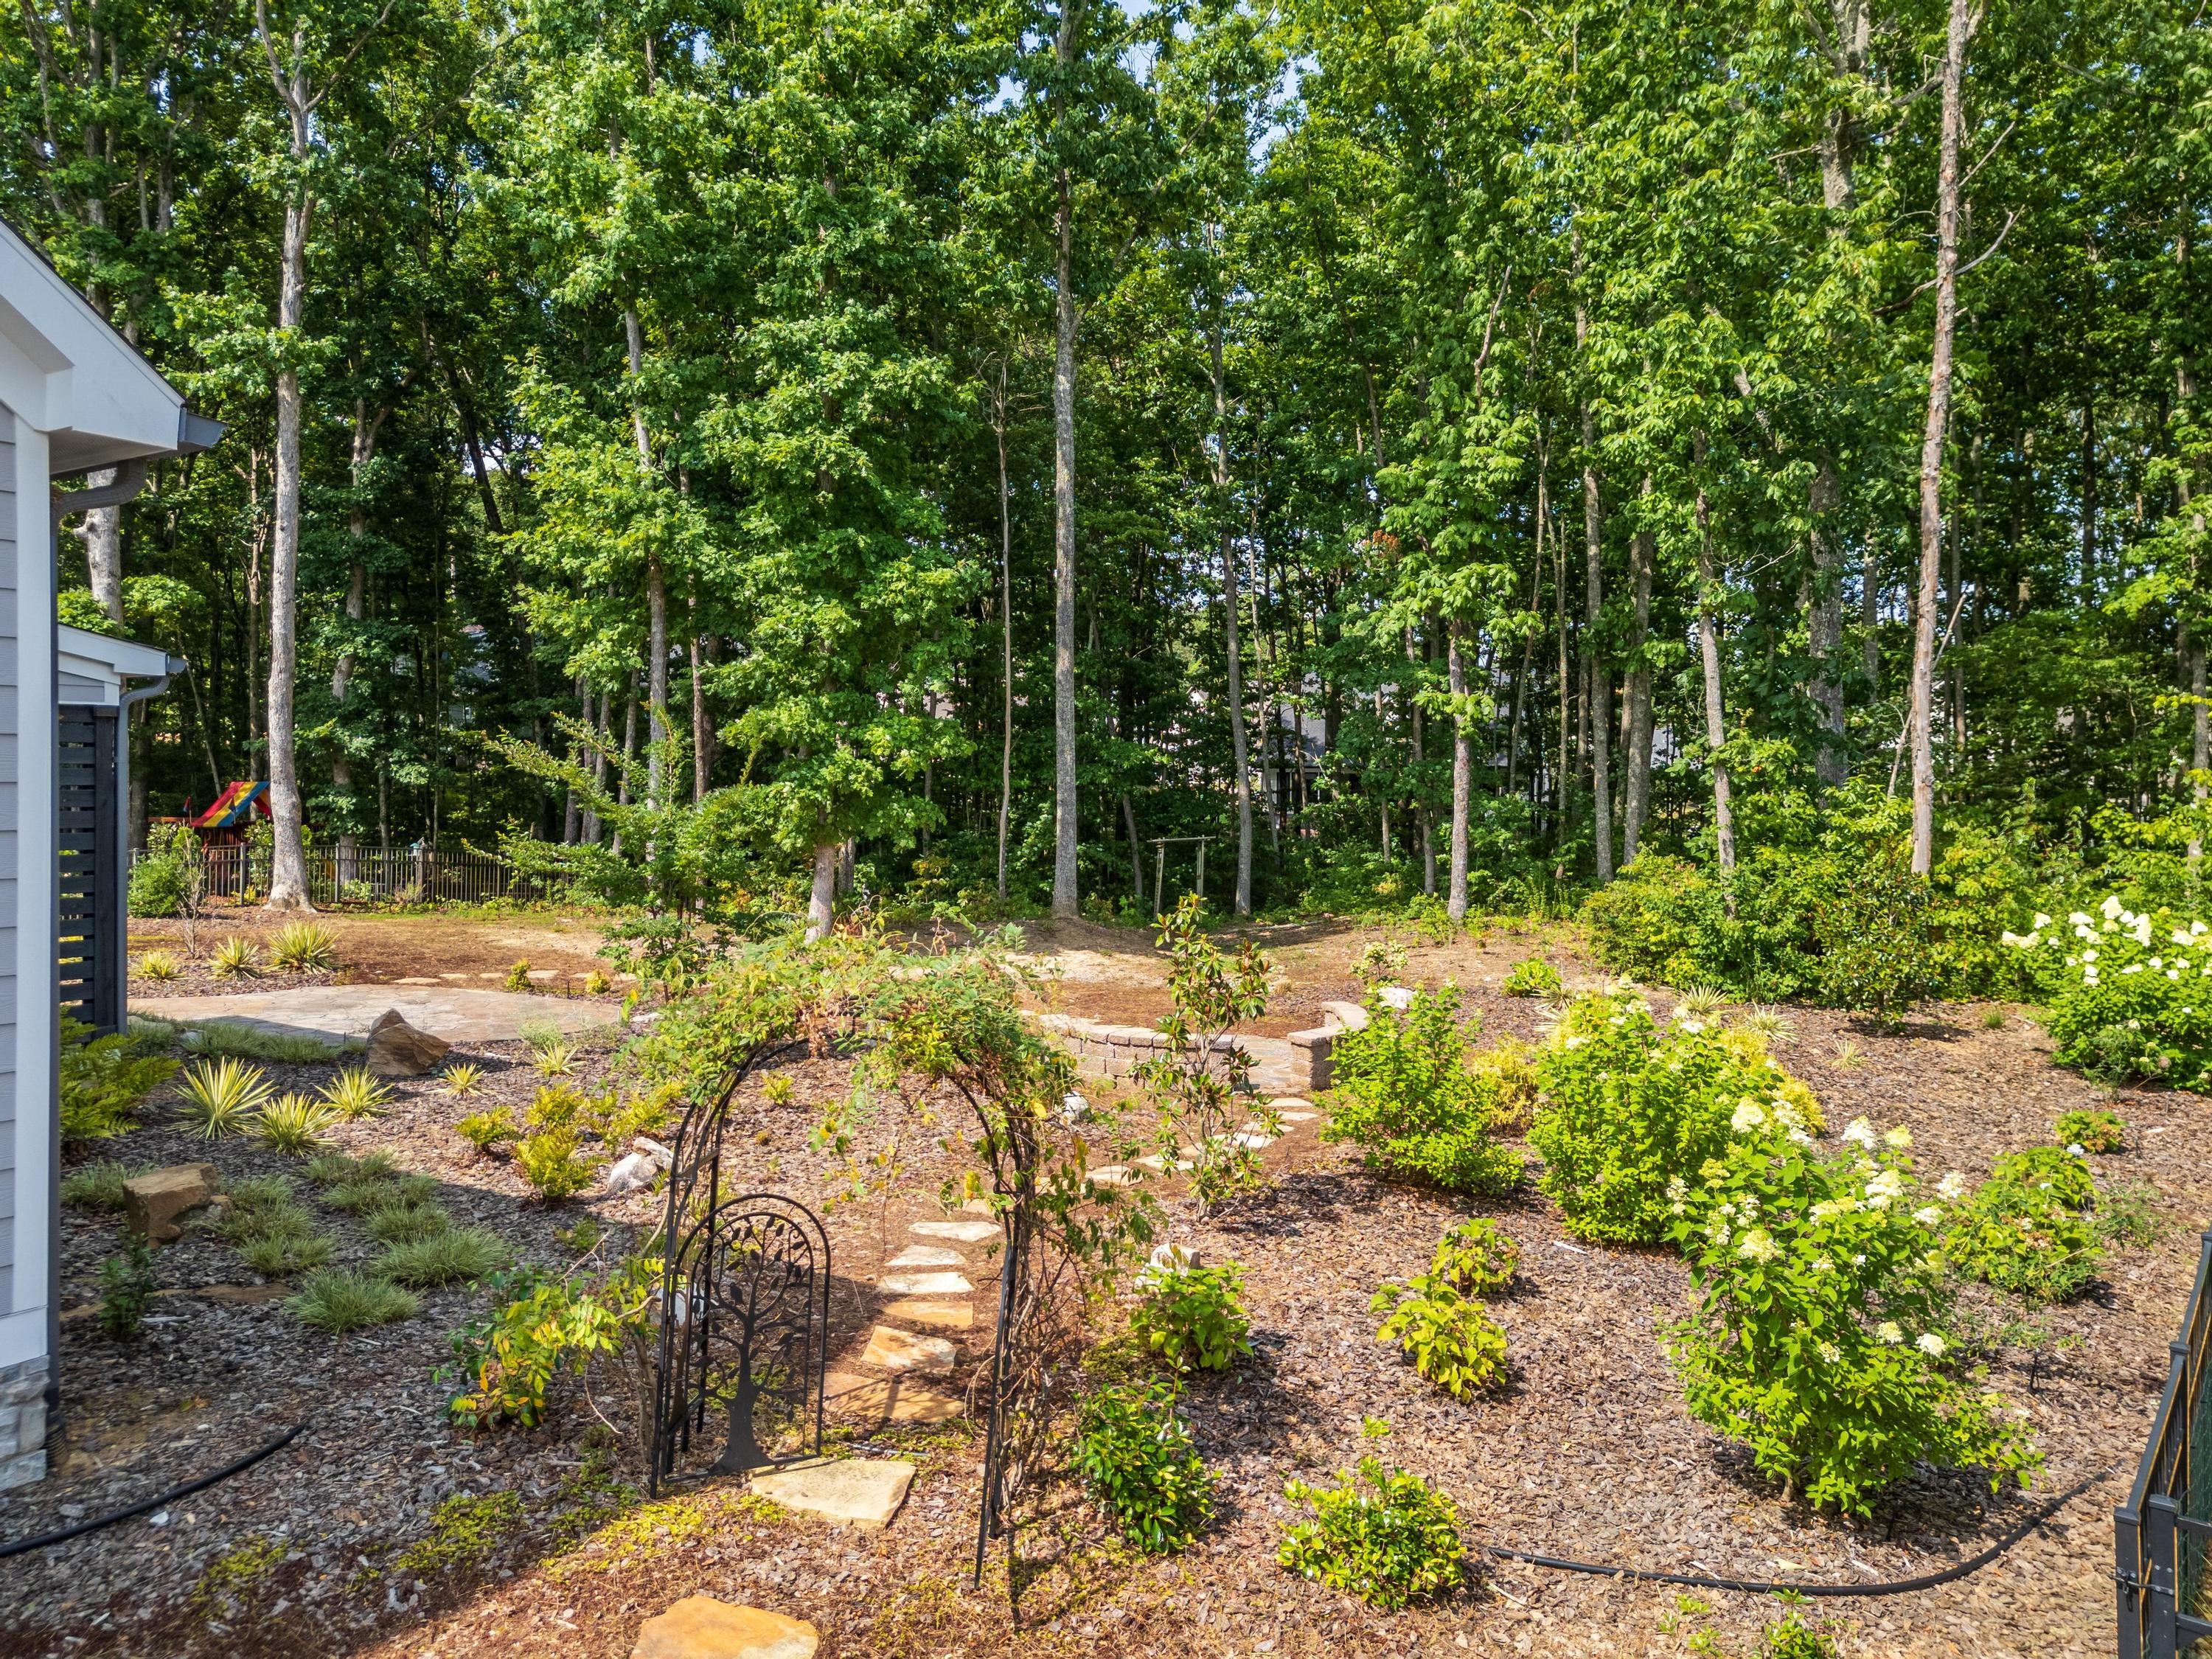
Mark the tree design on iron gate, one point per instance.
(744, 1314)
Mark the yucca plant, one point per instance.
(221, 1097)
(338, 1300)
(160, 966)
(1770, 1023)
(556, 1060)
(293, 1124)
(236, 958)
(1701, 1001)
(303, 947)
(1845, 1056)
(463, 1079)
(353, 1093)
(455, 1256)
(405, 1223)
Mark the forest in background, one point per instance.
(1429, 448)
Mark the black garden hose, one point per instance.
(48, 1539)
(1770, 1587)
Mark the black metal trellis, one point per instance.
(744, 1314)
(1002, 1377)
(2163, 1533)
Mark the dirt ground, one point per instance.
(1586, 1453)
(380, 949)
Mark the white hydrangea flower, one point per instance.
(1887, 1183)
(1799, 1138)
(1887, 1331)
(1860, 1134)
(1931, 1345)
(1748, 1117)
(2178, 937)
(2111, 907)
(1829, 1352)
(1929, 1216)
(1951, 1187)
(2158, 962)
(1757, 1245)
(2079, 920)
(1826, 1208)
(1900, 1137)
(2196, 929)
(2132, 968)
(2040, 922)
(2075, 1149)
(2089, 956)
(2088, 976)
(2012, 938)
(2142, 930)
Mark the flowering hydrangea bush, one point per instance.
(2130, 992)
(1627, 1105)
(1821, 1338)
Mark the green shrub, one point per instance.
(1450, 1339)
(2129, 993)
(1405, 1092)
(2052, 1170)
(158, 885)
(550, 1161)
(2026, 1239)
(1820, 1339)
(450, 1256)
(2093, 1129)
(103, 1081)
(1791, 1637)
(1193, 1317)
(126, 1288)
(1628, 1107)
(1390, 1541)
(337, 1300)
(1476, 1257)
(1533, 978)
(99, 1186)
(485, 1130)
(1137, 1463)
(556, 1106)
(538, 1328)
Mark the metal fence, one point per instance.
(2162, 1530)
(335, 876)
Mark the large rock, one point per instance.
(152, 1203)
(865, 1492)
(699, 1627)
(398, 1049)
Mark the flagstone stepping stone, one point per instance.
(1288, 1103)
(1113, 1174)
(947, 1316)
(977, 1207)
(860, 1493)
(926, 1284)
(962, 1232)
(926, 1256)
(1156, 1162)
(701, 1628)
(1253, 1140)
(874, 1400)
(893, 1350)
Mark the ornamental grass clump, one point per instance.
(1628, 1107)
(450, 1255)
(2129, 992)
(1387, 1536)
(1820, 1340)
(1406, 1092)
(1139, 1465)
(338, 1300)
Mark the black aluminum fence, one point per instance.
(338, 876)
(2162, 1530)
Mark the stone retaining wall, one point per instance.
(22, 1424)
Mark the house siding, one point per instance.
(11, 1299)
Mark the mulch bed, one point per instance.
(1587, 1452)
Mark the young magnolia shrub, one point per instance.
(1819, 1338)
(2025, 1233)
(2130, 992)
(1450, 1339)
(1404, 1092)
(1391, 1541)
(1629, 1107)
(1139, 1465)
(1533, 978)
(1476, 1257)
(2051, 1171)
(1193, 1317)
(2093, 1129)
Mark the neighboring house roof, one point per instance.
(235, 807)
(94, 666)
(67, 374)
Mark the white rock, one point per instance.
(928, 1256)
(925, 1284)
(1400, 997)
(961, 1232)
(631, 1173)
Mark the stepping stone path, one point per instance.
(699, 1627)
(908, 1371)
(859, 1492)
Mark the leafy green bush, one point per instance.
(1628, 1107)
(1193, 1317)
(538, 1328)
(1476, 1257)
(2052, 1171)
(446, 1255)
(2093, 1129)
(2024, 1238)
(1450, 1339)
(1137, 1463)
(551, 1163)
(1819, 1337)
(1791, 1637)
(1535, 977)
(1404, 1092)
(1390, 1541)
(126, 1288)
(158, 885)
(104, 1079)
(485, 1130)
(2129, 997)
(337, 1300)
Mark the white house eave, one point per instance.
(102, 657)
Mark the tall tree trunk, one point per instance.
(702, 729)
(1006, 645)
(1239, 744)
(2088, 501)
(1642, 553)
(1064, 896)
(822, 902)
(1825, 623)
(1136, 853)
(101, 534)
(1420, 806)
(287, 875)
(572, 823)
(1959, 32)
(2200, 719)
(656, 584)
(1708, 650)
(1597, 691)
(1463, 775)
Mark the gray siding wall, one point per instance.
(9, 683)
